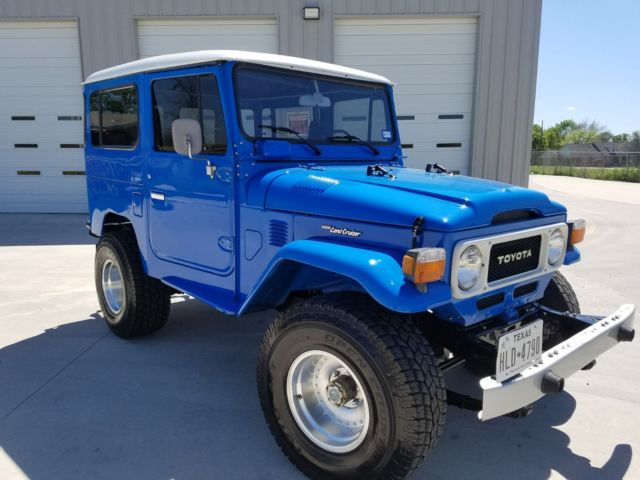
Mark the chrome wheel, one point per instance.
(112, 287)
(327, 401)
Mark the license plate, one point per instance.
(518, 349)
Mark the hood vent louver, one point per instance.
(514, 216)
(314, 184)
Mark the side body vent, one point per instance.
(278, 233)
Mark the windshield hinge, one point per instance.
(437, 168)
(416, 229)
(379, 171)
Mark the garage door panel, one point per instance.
(31, 62)
(440, 44)
(417, 29)
(44, 154)
(42, 104)
(435, 88)
(433, 132)
(32, 29)
(46, 131)
(42, 180)
(415, 73)
(161, 45)
(432, 60)
(417, 104)
(54, 48)
(63, 203)
(454, 160)
(405, 21)
(40, 78)
(52, 91)
(415, 59)
(45, 125)
(158, 37)
(194, 28)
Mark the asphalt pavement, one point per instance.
(76, 402)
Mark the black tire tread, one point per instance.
(418, 385)
(150, 298)
(559, 296)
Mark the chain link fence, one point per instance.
(620, 166)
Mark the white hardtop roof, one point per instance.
(164, 62)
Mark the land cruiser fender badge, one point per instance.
(347, 232)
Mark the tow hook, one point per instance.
(552, 383)
(589, 365)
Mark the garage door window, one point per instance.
(114, 118)
(193, 97)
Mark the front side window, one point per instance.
(113, 117)
(195, 97)
(319, 108)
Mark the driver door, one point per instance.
(190, 214)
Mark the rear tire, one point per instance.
(396, 407)
(559, 296)
(133, 304)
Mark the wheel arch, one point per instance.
(307, 265)
(107, 221)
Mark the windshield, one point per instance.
(317, 108)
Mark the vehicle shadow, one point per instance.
(30, 229)
(76, 402)
(527, 448)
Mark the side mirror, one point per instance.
(187, 137)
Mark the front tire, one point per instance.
(133, 304)
(560, 296)
(349, 389)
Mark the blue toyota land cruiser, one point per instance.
(254, 181)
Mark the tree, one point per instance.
(537, 139)
(635, 140)
(585, 132)
(570, 131)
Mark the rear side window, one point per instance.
(114, 117)
(195, 97)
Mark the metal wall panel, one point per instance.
(507, 52)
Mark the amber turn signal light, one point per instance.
(578, 229)
(424, 265)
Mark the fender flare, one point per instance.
(378, 272)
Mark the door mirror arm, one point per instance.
(187, 140)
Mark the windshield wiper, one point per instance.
(351, 138)
(292, 131)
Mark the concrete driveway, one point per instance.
(77, 402)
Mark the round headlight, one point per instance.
(556, 246)
(469, 267)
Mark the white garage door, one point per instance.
(432, 60)
(41, 135)
(157, 37)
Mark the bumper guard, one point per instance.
(562, 361)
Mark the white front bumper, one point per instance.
(564, 360)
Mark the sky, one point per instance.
(589, 63)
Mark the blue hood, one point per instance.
(446, 202)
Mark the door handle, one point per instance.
(211, 170)
(157, 196)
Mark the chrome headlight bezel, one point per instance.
(469, 267)
(556, 247)
(485, 245)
